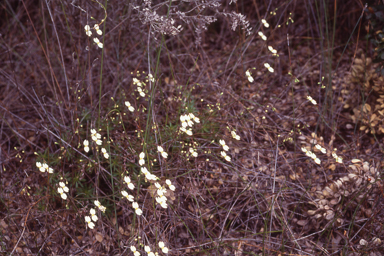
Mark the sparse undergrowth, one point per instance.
(188, 128)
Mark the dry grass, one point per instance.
(269, 199)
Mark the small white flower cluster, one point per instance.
(226, 148)
(273, 51)
(127, 181)
(262, 35)
(193, 152)
(127, 196)
(337, 158)
(311, 100)
(139, 85)
(267, 66)
(131, 186)
(323, 150)
(265, 23)
(96, 137)
(222, 143)
(135, 206)
(234, 135)
(91, 219)
(151, 78)
(161, 191)
(311, 155)
(44, 167)
(226, 157)
(88, 32)
(135, 252)
(162, 152)
(105, 153)
(249, 76)
(144, 170)
(148, 175)
(162, 247)
(63, 189)
(148, 250)
(101, 208)
(86, 145)
(141, 159)
(188, 120)
(129, 106)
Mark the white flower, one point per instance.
(96, 40)
(96, 137)
(311, 100)
(226, 157)
(274, 52)
(130, 185)
(104, 151)
(235, 136)
(91, 225)
(144, 170)
(98, 31)
(317, 160)
(44, 167)
(151, 78)
(142, 94)
(162, 247)
(262, 35)
(61, 192)
(169, 183)
(163, 153)
(225, 147)
(150, 176)
(162, 200)
(135, 252)
(40, 166)
(363, 242)
(63, 186)
(137, 209)
(128, 196)
(87, 30)
(86, 146)
(161, 191)
(193, 152)
(93, 215)
(130, 107)
(189, 132)
(249, 76)
(323, 150)
(101, 208)
(265, 23)
(147, 248)
(141, 156)
(270, 69)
